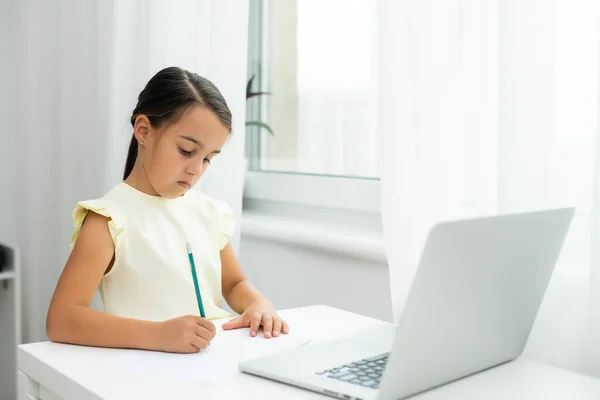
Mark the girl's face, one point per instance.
(174, 158)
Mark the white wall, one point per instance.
(8, 179)
(8, 133)
(292, 276)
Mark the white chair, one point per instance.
(10, 319)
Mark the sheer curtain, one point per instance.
(486, 108)
(78, 68)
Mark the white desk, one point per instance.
(48, 372)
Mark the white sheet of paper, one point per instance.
(216, 364)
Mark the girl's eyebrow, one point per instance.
(191, 139)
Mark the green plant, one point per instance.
(249, 95)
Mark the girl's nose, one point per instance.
(195, 169)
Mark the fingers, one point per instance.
(267, 323)
(199, 343)
(255, 323)
(205, 333)
(276, 326)
(272, 324)
(285, 328)
(237, 322)
(207, 324)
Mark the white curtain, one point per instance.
(490, 107)
(78, 68)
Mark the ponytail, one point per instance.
(131, 157)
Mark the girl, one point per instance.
(132, 242)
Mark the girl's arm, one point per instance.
(237, 291)
(71, 320)
(255, 309)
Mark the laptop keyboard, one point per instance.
(365, 372)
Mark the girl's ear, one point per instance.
(142, 128)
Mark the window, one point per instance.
(316, 125)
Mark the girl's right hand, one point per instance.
(188, 334)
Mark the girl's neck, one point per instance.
(138, 179)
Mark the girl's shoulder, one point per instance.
(214, 210)
(102, 206)
(204, 202)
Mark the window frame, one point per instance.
(314, 190)
(346, 193)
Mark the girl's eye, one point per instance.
(207, 160)
(185, 152)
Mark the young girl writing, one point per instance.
(132, 242)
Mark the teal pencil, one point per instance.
(195, 277)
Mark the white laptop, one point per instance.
(472, 305)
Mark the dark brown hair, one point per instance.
(167, 95)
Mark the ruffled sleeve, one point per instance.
(106, 208)
(225, 222)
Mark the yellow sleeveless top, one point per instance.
(151, 277)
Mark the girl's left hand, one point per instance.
(260, 313)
